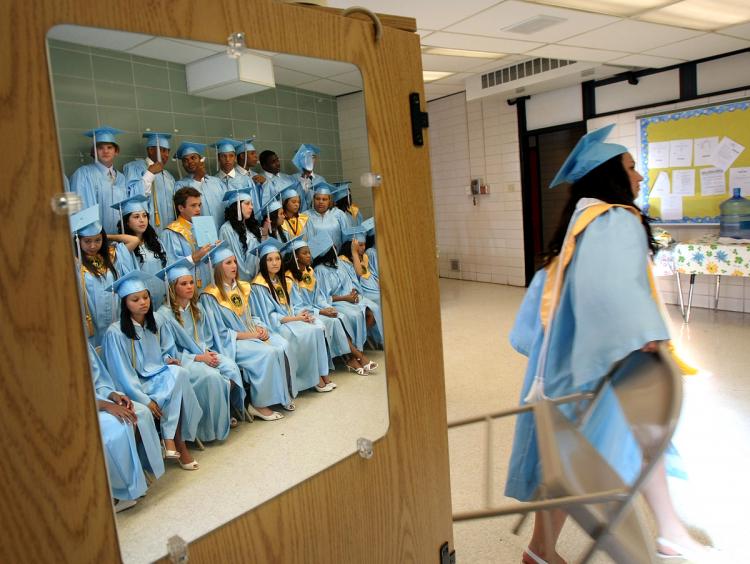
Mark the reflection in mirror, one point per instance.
(227, 271)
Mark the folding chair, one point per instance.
(576, 478)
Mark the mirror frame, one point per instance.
(394, 507)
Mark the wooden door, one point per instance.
(55, 505)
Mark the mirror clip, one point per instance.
(364, 447)
(419, 120)
(178, 550)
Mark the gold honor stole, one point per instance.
(364, 262)
(237, 300)
(278, 291)
(307, 282)
(354, 210)
(550, 296)
(183, 227)
(101, 270)
(295, 225)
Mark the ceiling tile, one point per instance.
(645, 61)
(479, 43)
(425, 32)
(96, 37)
(454, 79)
(290, 77)
(700, 47)
(429, 14)
(742, 30)
(453, 64)
(170, 50)
(707, 15)
(631, 36)
(327, 86)
(576, 53)
(214, 47)
(317, 67)
(353, 78)
(492, 22)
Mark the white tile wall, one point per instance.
(355, 153)
(734, 294)
(471, 140)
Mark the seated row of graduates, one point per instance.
(189, 363)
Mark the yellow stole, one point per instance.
(307, 282)
(354, 210)
(364, 263)
(237, 300)
(550, 294)
(184, 228)
(277, 290)
(295, 225)
(101, 270)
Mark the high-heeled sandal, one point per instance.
(275, 415)
(360, 371)
(371, 366)
(327, 388)
(535, 558)
(684, 553)
(168, 454)
(193, 465)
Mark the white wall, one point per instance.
(564, 105)
(723, 74)
(650, 89)
(355, 152)
(478, 139)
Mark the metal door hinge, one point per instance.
(419, 120)
(447, 556)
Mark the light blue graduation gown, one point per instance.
(242, 181)
(263, 363)
(247, 261)
(139, 369)
(121, 450)
(332, 282)
(313, 300)
(178, 247)
(366, 296)
(307, 344)
(151, 265)
(332, 223)
(273, 186)
(307, 184)
(105, 306)
(372, 255)
(212, 194)
(92, 184)
(606, 311)
(212, 386)
(163, 186)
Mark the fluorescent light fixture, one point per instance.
(705, 15)
(429, 76)
(612, 7)
(461, 53)
(222, 77)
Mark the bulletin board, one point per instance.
(691, 159)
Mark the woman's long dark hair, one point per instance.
(126, 321)
(241, 227)
(346, 250)
(609, 183)
(150, 238)
(290, 265)
(267, 277)
(343, 204)
(276, 230)
(328, 259)
(106, 259)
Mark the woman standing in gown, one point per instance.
(322, 218)
(294, 222)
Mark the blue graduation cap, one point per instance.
(323, 188)
(589, 153)
(244, 146)
(103, 134)
(357, 232)
(292, 245)
(270, 245)
(303, 158)
(225, 145)
(237, 195)
(131, 204)
(86, 222)
(188, 148)
(134, 281)
(291, 191)
(219, 253)
(271, 206)
(369, 225)
(175, 270)
(341, 191)
(157, 139)
(320, 244)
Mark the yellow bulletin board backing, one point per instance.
(729, 119)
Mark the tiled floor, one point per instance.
(484, 374)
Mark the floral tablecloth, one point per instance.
(708, 256)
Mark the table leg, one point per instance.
(716, 295)
(690, 298)
(679, 294)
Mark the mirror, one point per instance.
(274, 343)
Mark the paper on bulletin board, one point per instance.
(658, 155)
(740, 178)
(725, 153)
(671, 207)
(661, 186)
(681, 153)
(683, 182)
(704, 150)
(713, 182)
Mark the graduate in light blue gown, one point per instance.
(308, 295)
(185, 335)
(240, 335)
(321, 218)
(371, 250)
(99, 183)
(272, 302)
(132, 351)
(273, 219)
(276, 181)
(606, 309)
(336, 288)
(342, 199)
(179, 239)
(231, 176)
(193, 157)
(357, 263)
(294, 224)
(241, 231)
(304, 161)
(119, 417)
(99, 264)
(247, 160)
(149, 255)
(150, 177)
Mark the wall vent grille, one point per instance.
(522, 70)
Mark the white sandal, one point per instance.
(535, 557)
(275, 415)
(709, 553)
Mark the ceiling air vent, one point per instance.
(522, 70)
(533, 25)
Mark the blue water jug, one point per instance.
(735, 216)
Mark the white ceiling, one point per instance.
(587, 36)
